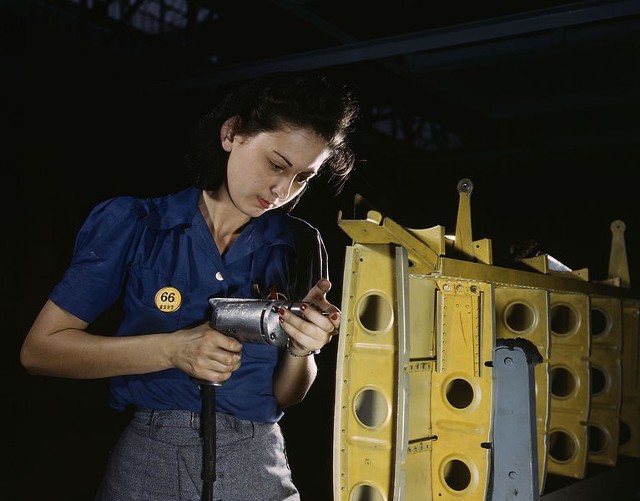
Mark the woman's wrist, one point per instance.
(291, 350)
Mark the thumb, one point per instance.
(318, 291)
(324, 285)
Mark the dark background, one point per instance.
(536, 102)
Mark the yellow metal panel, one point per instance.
(483, 251)
(603, 436)
(630, 429)
(366, 383)
(618, 266)
(422, 300)
(630, 409)
(524, 313)
(462, 390)
(464, 241)
(562, 282)
(570, 384)
(414, 379)
(377, 230)
(606, 379)
(417, 464)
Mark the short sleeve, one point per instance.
(102, 254)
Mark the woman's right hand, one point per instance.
(59, 345)
(205, 353)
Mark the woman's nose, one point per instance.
(282, 188)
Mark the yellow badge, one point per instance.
(168, 299)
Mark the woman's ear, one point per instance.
(227, 133)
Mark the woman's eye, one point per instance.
(276, 167)
(303, 178)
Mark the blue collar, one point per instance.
(181, 209)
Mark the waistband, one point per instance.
(189, 419)
(180, 418)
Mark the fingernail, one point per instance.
(303, 306)
(334, 316)
(281, 312)
(281, 320)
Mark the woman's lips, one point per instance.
(264, 203)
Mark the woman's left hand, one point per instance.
(317, 327)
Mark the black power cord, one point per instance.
(208, 431)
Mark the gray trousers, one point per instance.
(159, 458)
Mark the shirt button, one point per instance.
(219, 277)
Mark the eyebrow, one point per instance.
(285, 159)
(290, 164)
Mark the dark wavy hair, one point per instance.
(270, 103)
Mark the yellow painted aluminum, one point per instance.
(483, 251)
(542, 263)
(524, 313)
(519, 278)
(420, 448)
(461, 413)
(570, 383)
(631, 351)
(385, 450)
(630, 429)
(606, 379)
(603, 436)
(630, 408)
(463, 242)
(378, 230)
(426, 252)
(365, 424)
(618, 264)
(606, 332)
(416, 465)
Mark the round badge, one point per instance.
(168, 299)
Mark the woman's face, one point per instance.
(269, 169)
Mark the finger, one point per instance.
(326, 320)
(212, 377)
(324, 284)
(318, 291)
(330, 313)
(226, 342)
(216, 369)
(306, 334)
(335, 318)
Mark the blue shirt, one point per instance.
(158, 257)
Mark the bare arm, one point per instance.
(59, 345)
(295, 375)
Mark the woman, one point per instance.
(229, 235)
